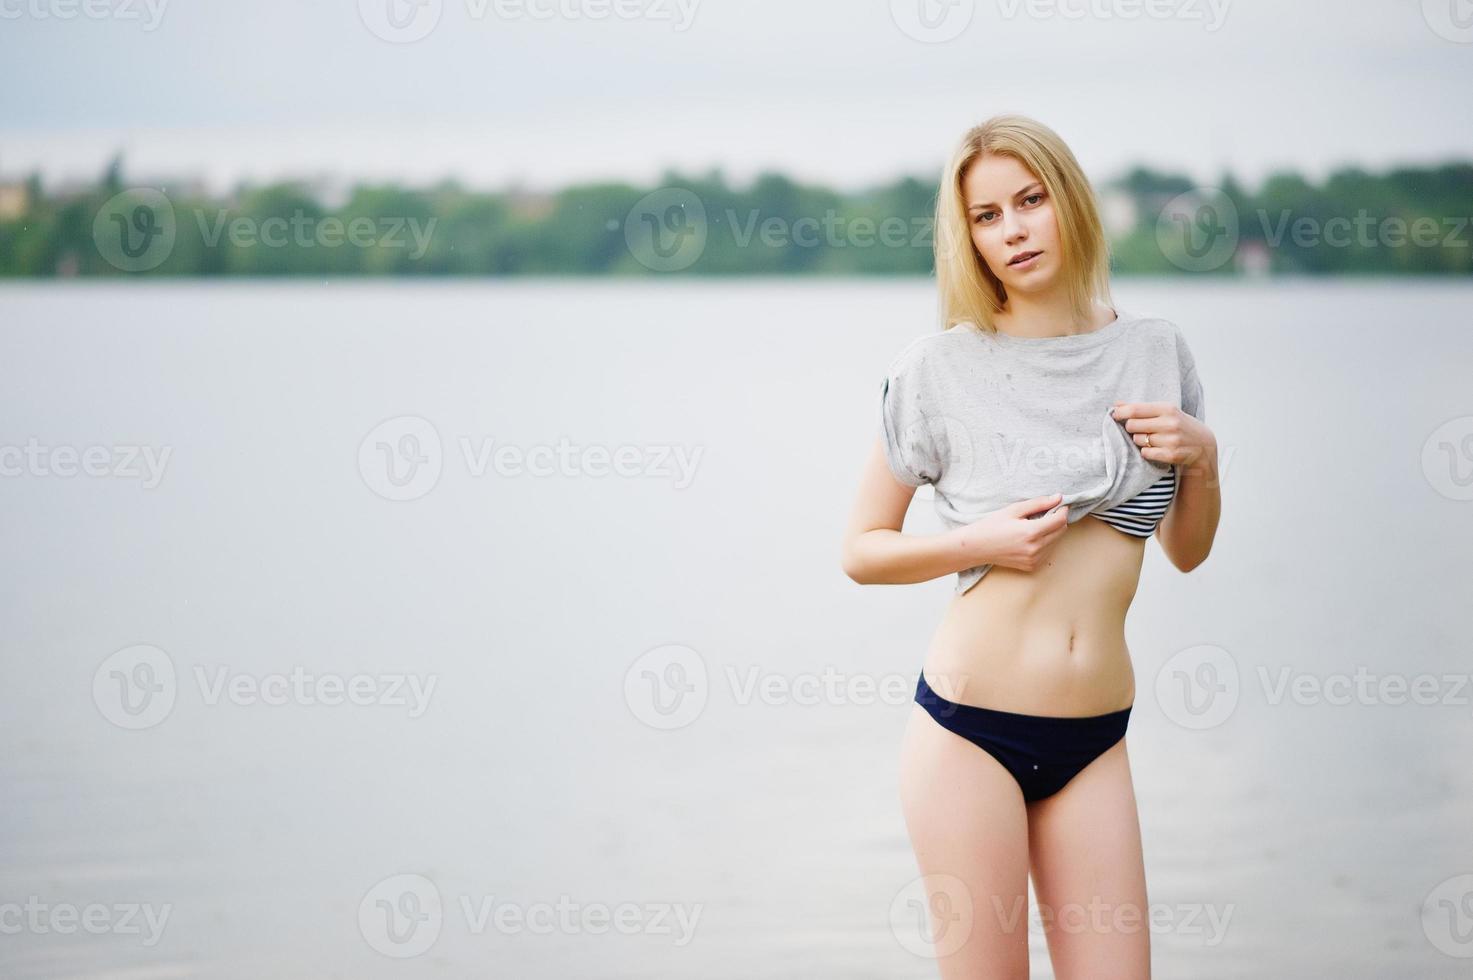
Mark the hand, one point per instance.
(1010, 537)
(1167, 435)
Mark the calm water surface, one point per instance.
(363, 486)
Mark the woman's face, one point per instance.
(1011, 214)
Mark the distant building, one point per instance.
(1118, 212)
(331, 191)
(15, 201)
(529, 205)
(1252, 259)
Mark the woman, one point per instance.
(1039, 404)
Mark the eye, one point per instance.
(980, 215)
(1037, 194)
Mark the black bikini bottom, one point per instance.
(1042, 752)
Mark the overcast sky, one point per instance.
(843, 91)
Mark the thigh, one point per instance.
(1089, 874)
(969, 827)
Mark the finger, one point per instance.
(1160, 454)
(1051, 524)
(1136, 410)
(1047, 541)
(1151, 423)
(1033, 506)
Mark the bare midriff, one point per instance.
(1046, 642)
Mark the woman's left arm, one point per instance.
(1178, 439)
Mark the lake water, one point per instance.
(572, 549)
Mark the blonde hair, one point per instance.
(969, 291)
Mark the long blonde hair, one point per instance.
(969, 291)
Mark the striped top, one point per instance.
(1140, 514)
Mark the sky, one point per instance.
(846, 92)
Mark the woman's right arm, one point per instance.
(877, 552)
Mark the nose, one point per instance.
(1012, 228)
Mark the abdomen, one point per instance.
(1051, 641)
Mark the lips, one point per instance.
(1022, 257)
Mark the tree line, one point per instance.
(1404, 221)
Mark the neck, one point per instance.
(1043, 316)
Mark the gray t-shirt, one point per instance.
(993, 419)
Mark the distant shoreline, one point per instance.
(305, 281)
(1404, 222)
